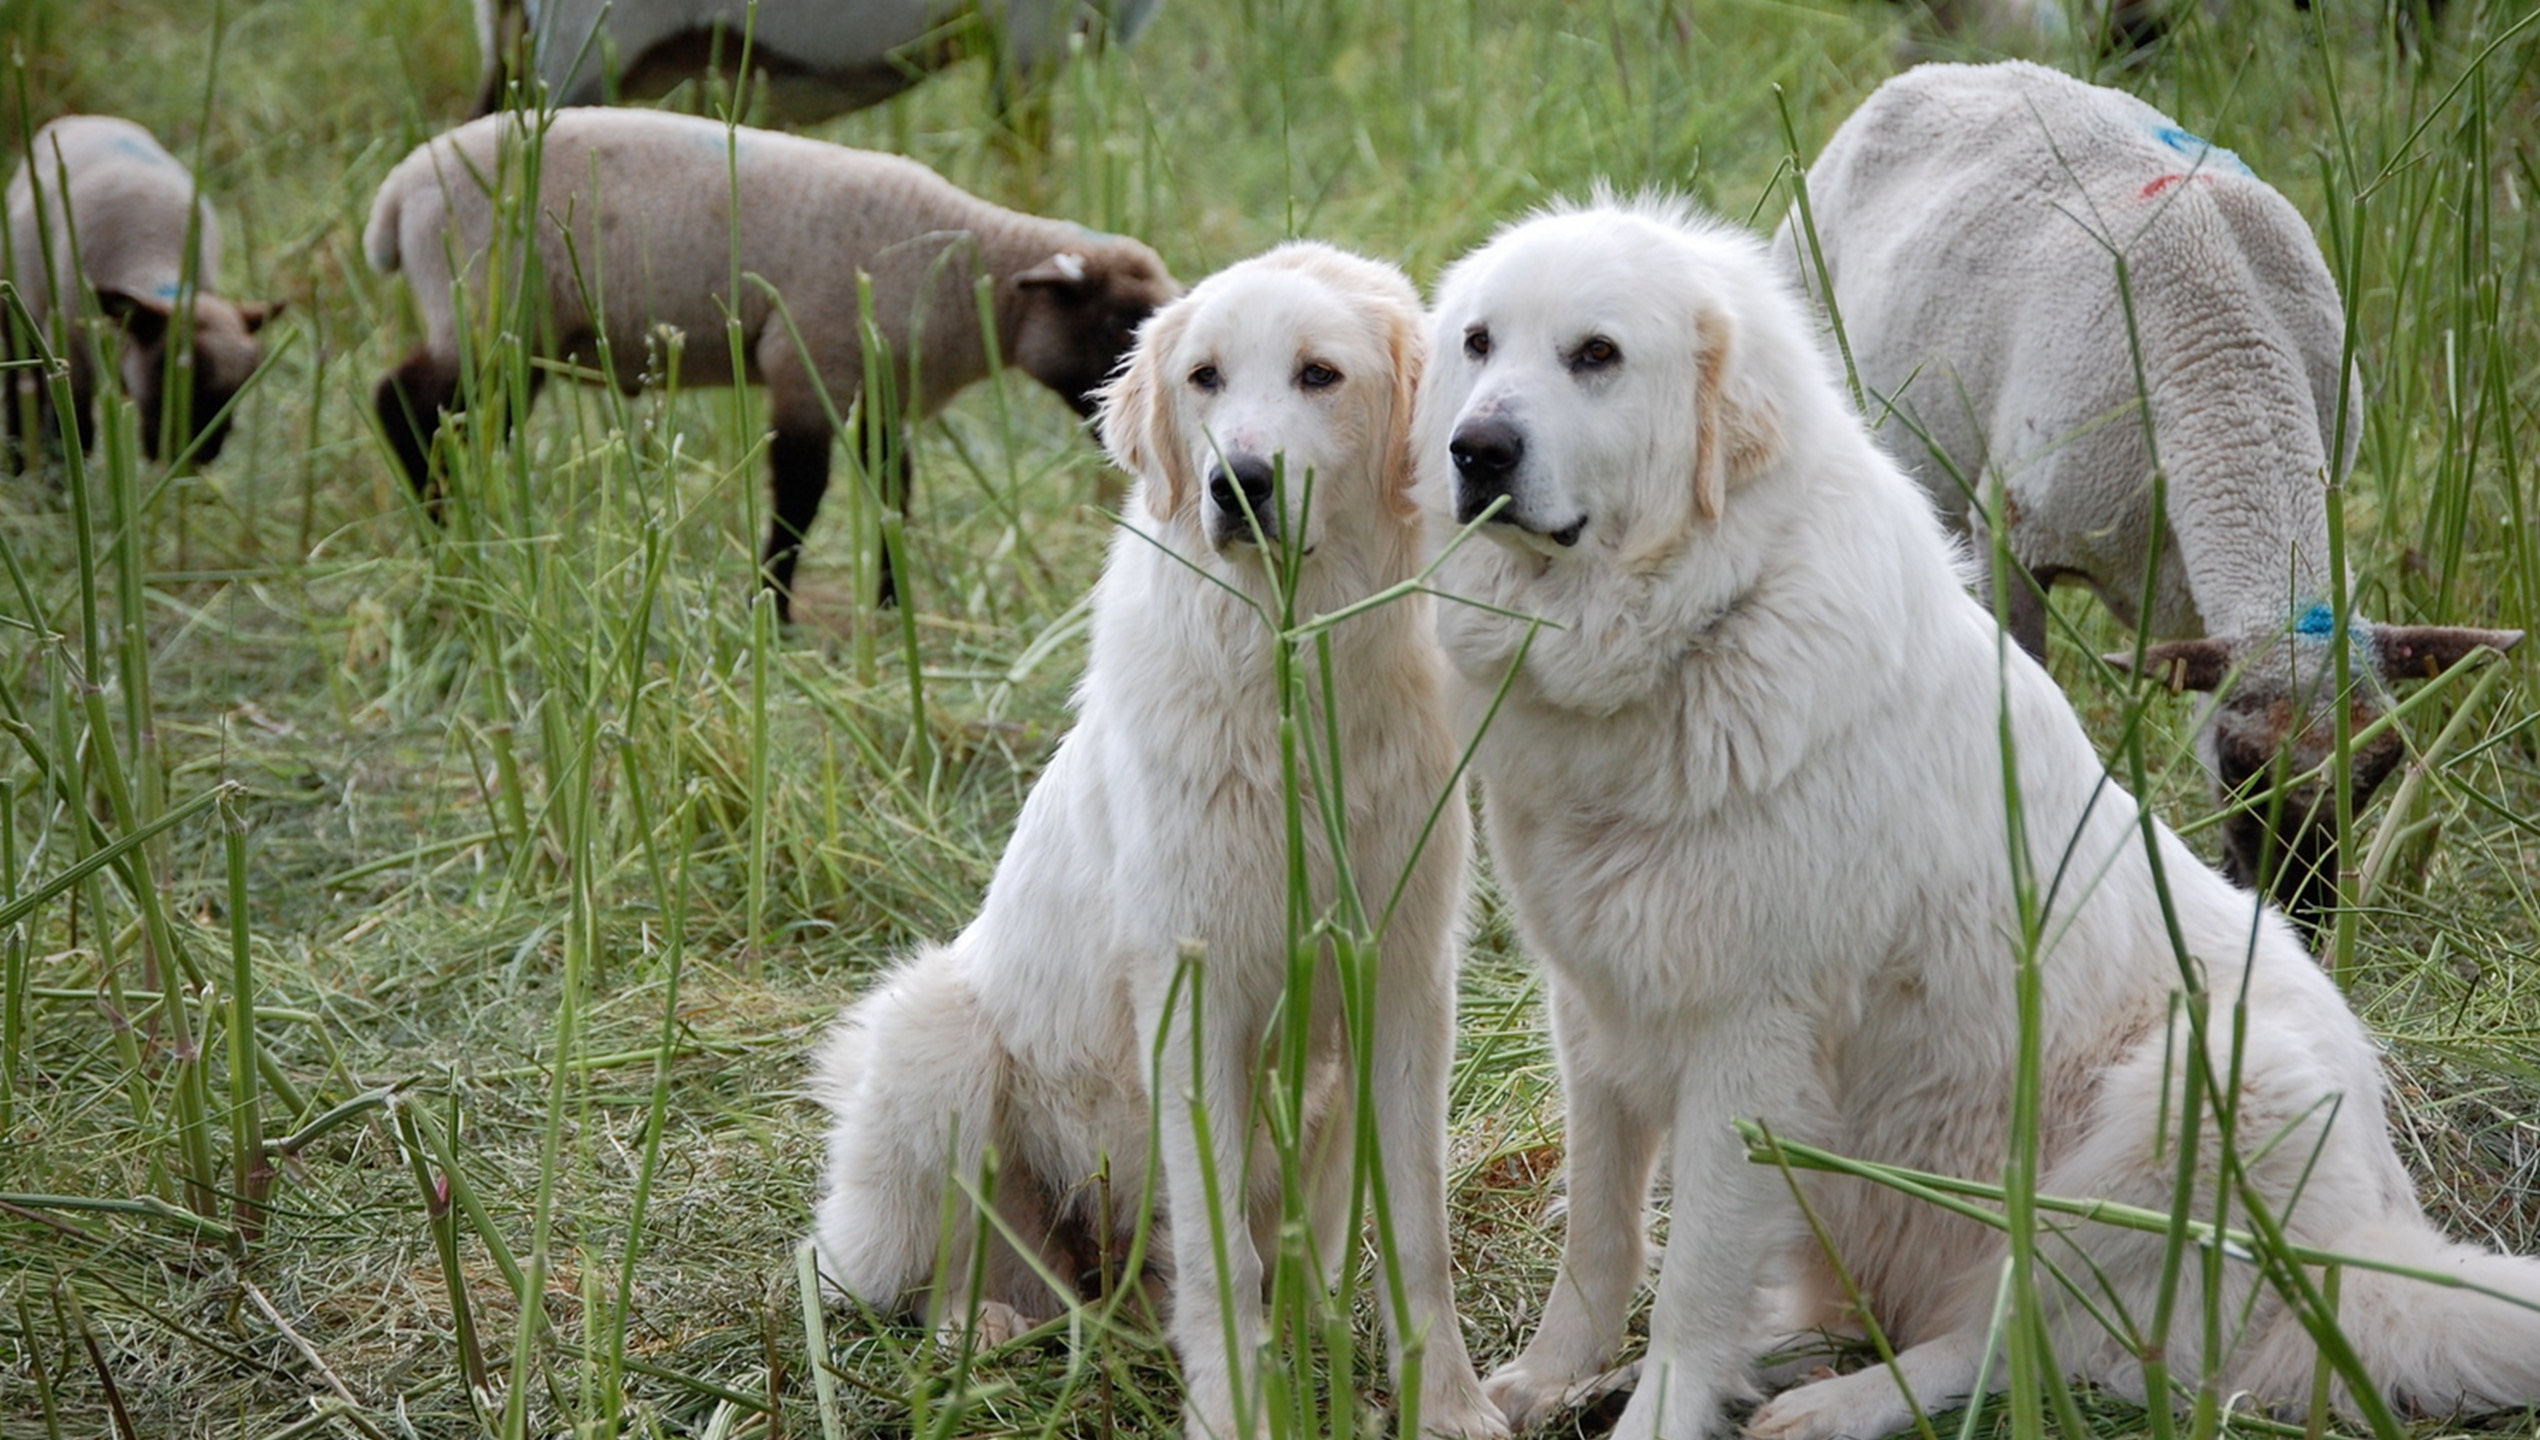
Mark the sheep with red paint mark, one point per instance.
(2051, 292)
(101, 208)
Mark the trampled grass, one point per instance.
(400, 923)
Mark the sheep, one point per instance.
(100, 194)
(637, 231)
(2115, 29)
(822, 57)
(1968, 219)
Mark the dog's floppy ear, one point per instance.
(1407, 347)
(1737, 428)
(1136, 418)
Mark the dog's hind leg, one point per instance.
(1799, 1327)
(1940, 1373)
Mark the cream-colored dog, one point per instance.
(1160, 824)
(1748, 798)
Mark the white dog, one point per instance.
(1160, 823)
(1748, 798)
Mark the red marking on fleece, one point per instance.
(2157, 186)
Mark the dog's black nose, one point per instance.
(1487, 451)
(1239, 483)
(1486, 454)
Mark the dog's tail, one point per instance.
(2432, 1349)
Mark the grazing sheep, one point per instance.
(102, 194)
(637, 232)
(2115, 28)
(821, 57)
(1969, 218)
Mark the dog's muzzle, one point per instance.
(1487, 454)
(1241, 483)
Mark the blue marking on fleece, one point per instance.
(142, 150)
(2189, 143)
(2319, 622)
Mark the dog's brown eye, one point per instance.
(1477, 343)
(1596, 354)
(1207, 378)
(1318, 376)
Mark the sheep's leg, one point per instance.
(533, 380)
(412, 400)
(897, 478)
(798, 466)
(26, 417)
(2025, 610)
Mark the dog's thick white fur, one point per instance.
(1160, 822)
(1748, 800)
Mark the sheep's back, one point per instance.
(636, 211)
(128, 201)
(1973, 219)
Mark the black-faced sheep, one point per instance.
(1970, 219)
(821, 57)
(637, 228)
(100, 194)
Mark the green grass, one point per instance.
(400, 923)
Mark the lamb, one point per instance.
(102, 194)
(821, 57)
(640, 205)
(1968, 218)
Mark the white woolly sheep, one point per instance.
(821, 57)
(1969, 220)
(637, 231)
(101, 194)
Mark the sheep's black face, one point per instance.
(1097, 332)
(2285, 840)
(1080, 319)
(205, 402)
(224, 355)
(2278, 719)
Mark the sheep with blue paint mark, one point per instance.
(101, 208)
(644, 219)
(2004, 244)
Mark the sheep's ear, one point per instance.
(2181, 664)
(1407, 348)
(1136, 417)
(1737, 428)
(2421, 652)
(142, 317)
(254, 313)
(1066, 269)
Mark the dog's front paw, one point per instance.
(1525, 1399)
(1861, 1406)
(1460, 1410)
(998, 1324)
(1528, 1397)
(1208, 1407)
